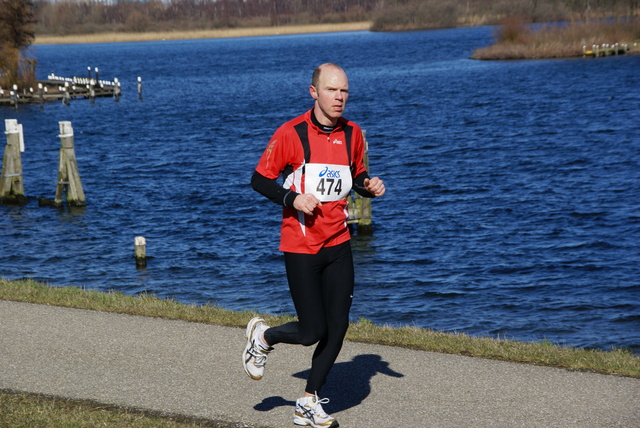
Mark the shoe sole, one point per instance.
(251, 326)
(307, 423)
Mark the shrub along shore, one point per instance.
(23, 409)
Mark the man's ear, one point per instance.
(313, 92)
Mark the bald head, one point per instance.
(315, 78)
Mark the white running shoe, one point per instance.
(309, 412)
(254, 356)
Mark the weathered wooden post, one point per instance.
(11, 185)
(140, 244)
(68, 175)
(140, 88)
(360, 207)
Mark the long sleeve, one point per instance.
(272, 190)
(358, 185)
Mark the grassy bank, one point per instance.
(617, 362)
(199, 34)
(516, 40)
(29, 410)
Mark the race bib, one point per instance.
(327, 182)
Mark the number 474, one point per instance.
(324, 182)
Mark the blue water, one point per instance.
(513, 195)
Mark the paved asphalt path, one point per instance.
(195, 369)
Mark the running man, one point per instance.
(320, 157)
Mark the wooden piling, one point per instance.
(68, 175)
(140, 244)
(11, 184)
(360, 207)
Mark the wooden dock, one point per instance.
(605, 50)
(64, 89)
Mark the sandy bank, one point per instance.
(201, 34)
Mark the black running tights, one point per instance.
(321, 286)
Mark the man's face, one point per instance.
(330, 94)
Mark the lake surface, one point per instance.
(513, 188)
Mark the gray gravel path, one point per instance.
(195, 369)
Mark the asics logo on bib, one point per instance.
(329, 173)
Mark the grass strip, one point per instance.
(41, 411)
(615, 362)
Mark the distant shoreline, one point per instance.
(201, 34)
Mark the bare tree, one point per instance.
(17, 22)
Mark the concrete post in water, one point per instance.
(92, 91)
(68, 175)
(140, 244)
(67, 97)
(14, 98)
(11, 184)
(41, 94)
(116, 89)
(140, 88)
